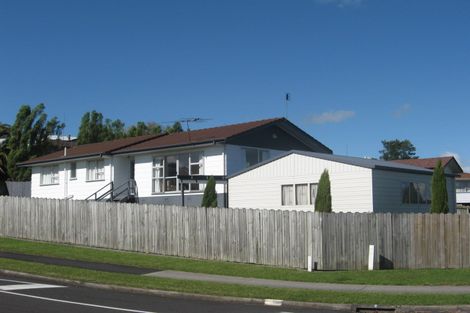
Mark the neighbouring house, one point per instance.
(462, 184)
(164, 169)
(290, 180)
(451, 166)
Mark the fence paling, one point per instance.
(337, 241)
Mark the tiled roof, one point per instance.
(91, 149)
(429, 163)
(151, 142)
(463, 176)
(197, 136)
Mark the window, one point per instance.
(50, 175)
(415, 193)
(73, 170)
(301, 194)
(287, 194)
(313, 193)
(254, 156)
(95, 170)
(166, 169)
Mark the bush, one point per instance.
(209, 200)
(323, 199)
(439, 201)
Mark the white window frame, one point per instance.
(162, 167)
(295, 201)
(95, 168)
(53, 172)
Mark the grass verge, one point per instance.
(432, 277)
(195, 287)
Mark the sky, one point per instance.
(358, 71)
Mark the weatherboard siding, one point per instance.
(78, 188)
(351, 186)
(387, 186)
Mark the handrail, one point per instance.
(96, 193)
(129, 187)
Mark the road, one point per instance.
(19, 295)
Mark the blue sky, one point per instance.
(358, 71)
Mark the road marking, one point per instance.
(15, 281)
(76, 303)
(27, 286)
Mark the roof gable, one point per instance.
(430, 163)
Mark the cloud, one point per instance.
(332, 117)
(402, 110)
(466, 168)
(341, 3)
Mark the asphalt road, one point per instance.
(19, 295)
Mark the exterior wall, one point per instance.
(351, 186)
(236, 157)
(78, 188)
(213, 164)
(387, 186)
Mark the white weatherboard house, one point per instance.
(290, 180)
(156, 168)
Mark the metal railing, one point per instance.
(125, 192)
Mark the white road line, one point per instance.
(76, 303)
(15, 281)
(27, 286)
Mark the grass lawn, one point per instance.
(385, 277)
(229, 289)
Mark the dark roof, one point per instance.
(155, 142)
(430, 163)
(87, 150)
(361, 162)
(200, 136)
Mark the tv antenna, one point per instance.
(187, 120)
(287, 99)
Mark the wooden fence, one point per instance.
(274, 237)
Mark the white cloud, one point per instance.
(402, 110)
(332, 117)
(466, 168)
(341, 3)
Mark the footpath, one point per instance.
(238, 280)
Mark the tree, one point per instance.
(323, 198)
(209, 200)
(29, 138)
(439, 201)
(175, 128)
(142, 128)
(398, 150)
(91, 128)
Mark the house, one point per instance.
(290, 181)
(451, 166)
(462, 184)
(449, 163)
(167, 168)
